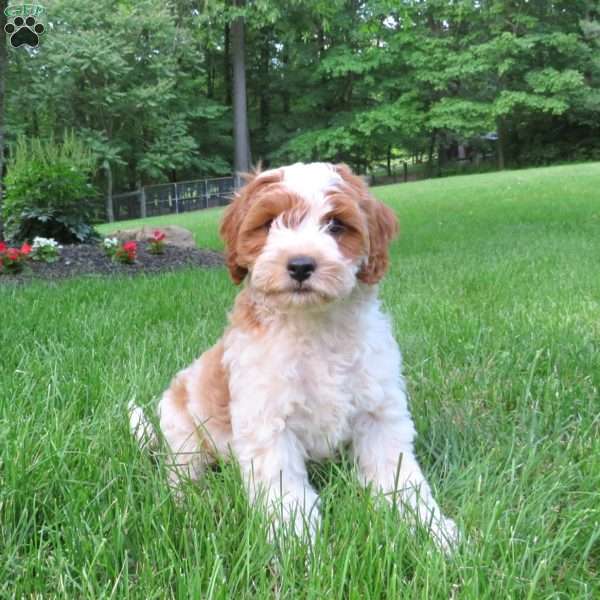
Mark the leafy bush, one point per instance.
(48, 191)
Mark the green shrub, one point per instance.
(48, 190)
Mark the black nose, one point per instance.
(300, 268)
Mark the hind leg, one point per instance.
(194, 416)
(186, 458)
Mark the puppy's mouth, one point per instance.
(305, 293)
(301, 294)
(302, 289)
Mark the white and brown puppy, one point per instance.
(308, 362)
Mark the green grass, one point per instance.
(495, 296)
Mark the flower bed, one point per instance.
(88, 259)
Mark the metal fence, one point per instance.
(173, 198)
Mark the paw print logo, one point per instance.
(24, 31)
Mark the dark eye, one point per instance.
(335, 227)
(268, 224)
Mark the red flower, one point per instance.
(13, 254)
(159, 235)
(130, 247)
(25, 249)
(2, 247)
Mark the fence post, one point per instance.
(176, 199)
(405, 165)
(143, 202)
(237, 181)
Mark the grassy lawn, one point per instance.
(495, 295)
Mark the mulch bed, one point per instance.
(87, 259)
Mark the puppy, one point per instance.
(308, 363)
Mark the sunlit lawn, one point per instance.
(495, 296)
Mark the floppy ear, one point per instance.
(382, 225)
(383, 228)
(234, 216)
(230, 227)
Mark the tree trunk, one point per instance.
(389, 160)
(132, 211)
(430, 153)
(110, 211)
(227, 67)
(3, 69)
(500, 143)
(285, 94)
(142, 202)
(210, 75)
(265, 94)
(240, 114)
(441, 156)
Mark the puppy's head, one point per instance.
(307, 234)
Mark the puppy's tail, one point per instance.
(141, 427)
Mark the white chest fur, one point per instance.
(312, 374)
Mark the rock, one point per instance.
(175, 236)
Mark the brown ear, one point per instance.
(230, 226)
(382, 224)
(234, 216)
(383, 227)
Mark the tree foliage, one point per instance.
(148, 84)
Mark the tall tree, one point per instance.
(240, 111)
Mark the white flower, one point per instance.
(41, 242)
(110, 242)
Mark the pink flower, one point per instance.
(25, 249)
(159, 235)
(13, 254)
(2, 247)
(130, 246)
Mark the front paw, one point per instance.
(445, 534)
(293, 520)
